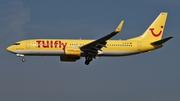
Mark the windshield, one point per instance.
(16, 44)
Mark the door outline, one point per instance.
(139, 46)
(27, 44)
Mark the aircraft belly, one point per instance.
(61, 52)
(118, 53)
(40, 52)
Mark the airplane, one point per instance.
(71, 50)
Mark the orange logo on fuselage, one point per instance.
(51, 44)
(156, 34)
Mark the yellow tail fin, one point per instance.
(155, 30)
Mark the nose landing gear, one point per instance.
(21, 55)
(23, 59)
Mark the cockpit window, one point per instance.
(16, 44)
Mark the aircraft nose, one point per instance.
(9, 48)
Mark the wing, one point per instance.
(94, 47)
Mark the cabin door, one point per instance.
(27, 44)
(139, 46)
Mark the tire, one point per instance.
(87, 62)
(23, 60)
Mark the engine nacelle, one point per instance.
(73, 51)
(69, 58)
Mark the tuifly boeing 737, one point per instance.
(71, 50)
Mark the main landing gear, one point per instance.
(88, 59)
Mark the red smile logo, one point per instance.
(156, 34)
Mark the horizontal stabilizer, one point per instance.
(160, 42)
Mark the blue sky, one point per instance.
(145, 77)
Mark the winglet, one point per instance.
(118, 29)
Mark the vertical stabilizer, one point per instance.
(155, 30)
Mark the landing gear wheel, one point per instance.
(89, 59)
(87, 62)
(23, 60)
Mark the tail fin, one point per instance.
(155, 30)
